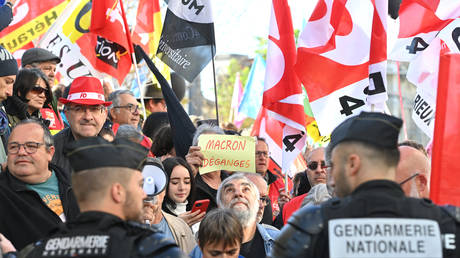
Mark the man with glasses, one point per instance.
(86, 111)
(372, 217)
(414, 170)
(277, 193)
(125, 110)
(317, 177)
(264, 215)
(35, 195)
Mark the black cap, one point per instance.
(33, 55)
(152, 91)
(8, 64)
(96, 152)
(376, 129)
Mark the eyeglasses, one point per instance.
(263, 153)
(38, 90)
(131, 108)
(409, 178)
(29, 147)
(314, 165)
(265, 200)
(82, 109)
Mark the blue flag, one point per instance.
(254, 89)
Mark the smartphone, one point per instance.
(201, 205)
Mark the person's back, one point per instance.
(373, 218)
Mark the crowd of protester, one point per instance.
(84, 180)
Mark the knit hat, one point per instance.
(8, 64)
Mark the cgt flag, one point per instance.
(187, 42)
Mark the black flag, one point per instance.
(181, 125)
(187, 41)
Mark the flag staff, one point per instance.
(215, 84)
(141, 87)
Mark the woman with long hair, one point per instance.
(180, 189)
(31, 92)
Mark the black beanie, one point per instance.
(8, 64)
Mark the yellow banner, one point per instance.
(32, 30)
(227, 152)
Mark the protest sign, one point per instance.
(227, 152)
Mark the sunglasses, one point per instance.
(38, 90)
(314, 165)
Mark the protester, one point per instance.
(153, 98)
(85, 109)
(35, 195)
(239, 194)
(264, 215)
(278, 195)
(173, 227)
(124, 108)
(301, 184)
(8, 71)
(163, 145)
(220, 235)
(31, 92)
(317, 177)
(364, 157)
(154, 122)
(180, 191)
(206, 184)
(110, 195)
(42, 59)
(129, 132)
(414, 170)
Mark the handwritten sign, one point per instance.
(227, 152)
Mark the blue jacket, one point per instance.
(267, 232)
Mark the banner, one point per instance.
(342, 60)
(187, 42)
(31, 19)
(445, 172)
(227, 152)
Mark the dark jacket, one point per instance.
(307, 232)
(118, 239)
(204, 191)
(24, 217)
(16, 109)
(62, 139)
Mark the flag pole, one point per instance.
(133, 56)
(215, 84)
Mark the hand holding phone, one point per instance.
(201, 205)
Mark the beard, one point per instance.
(132, 209)
(246, 215)
(342, 186)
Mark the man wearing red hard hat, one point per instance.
(86, 110)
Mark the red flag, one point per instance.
(445, 173)
(148, 25)
(109, 22)
(337, 62)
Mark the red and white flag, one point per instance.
(422, 39)
(147, 31)
(108, 22)
(341, 59)
(283, 92)
(420, 22)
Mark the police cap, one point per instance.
(376, 129)
(96, 152)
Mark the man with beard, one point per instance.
(364, 156)
(238, 193)
(108, 185)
